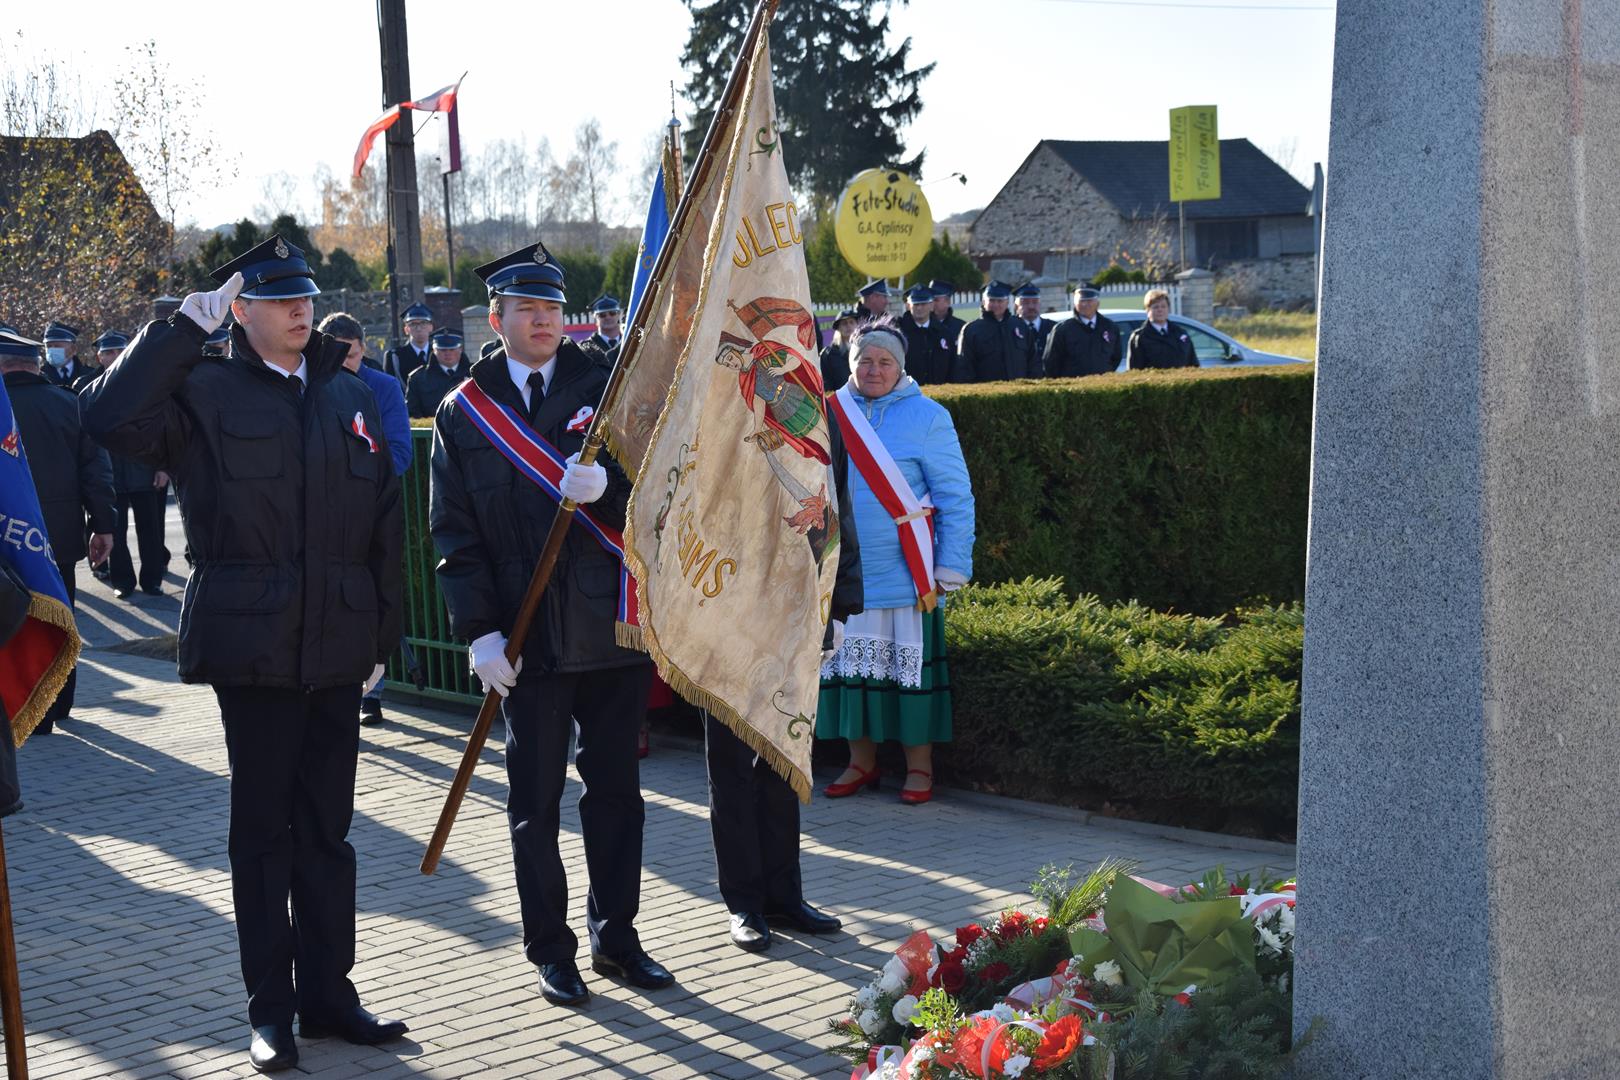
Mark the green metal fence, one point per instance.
(427, 624)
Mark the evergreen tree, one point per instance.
(944, 259)
(842, 95)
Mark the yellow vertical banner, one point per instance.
(1195, 154)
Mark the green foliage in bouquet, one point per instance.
(1079, 701)
(1241, 1028)
(1162, 945)
(1067, 901)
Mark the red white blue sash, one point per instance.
(539, 461)
(913, 517)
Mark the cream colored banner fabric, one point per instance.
(733, 528)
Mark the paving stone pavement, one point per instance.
(128, 953)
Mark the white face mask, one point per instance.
(58, 357)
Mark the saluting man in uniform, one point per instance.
(293, 521)
(489, 521)
(607, 337)
(412, 353)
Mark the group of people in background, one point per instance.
(1010, 339)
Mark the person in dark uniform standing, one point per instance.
(946, 317)
(1088, 344)
(929, 353)
(219, 344)
(62, 364)
(412, 353)
(606, 338)
(872, 300)
(835, 357)
(1158, 343)
(1039, 329)
(429, 383)
(292, 515)
(488, 522)
(143, 494)
(753, 812)
(72, 475)
(995, 345)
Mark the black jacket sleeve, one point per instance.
(464, 572)
(963, 368)
(1054, 359)
(96, 485)
(414, 394)
(1117, 353)
(848, 596)
(387, 564)
(130, 408)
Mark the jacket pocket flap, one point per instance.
(248, 425)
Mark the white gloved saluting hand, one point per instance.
(488, 656)
(583, 483)
(208, 309)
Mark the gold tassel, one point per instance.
(53, 612)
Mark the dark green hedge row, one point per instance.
(1186, 491)
(1172, 717)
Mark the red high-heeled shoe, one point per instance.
(915, 796)
(863, 779)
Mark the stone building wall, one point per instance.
(1288, 281)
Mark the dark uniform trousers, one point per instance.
(540, 711)
(754, 816)
(63, 705)
(292, 756)
(147, 508)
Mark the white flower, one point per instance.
(1004, 1012)
(866, 996)
(870, 1022)
(1015, 1065)
(890, 1070)
(1269, 940)
(921, 1053)
(903, 1009)
(1108, 973)
(895, 977)
(1285, 921)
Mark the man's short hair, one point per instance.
(340, 324)
(1153, 296)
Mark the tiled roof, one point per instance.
(1135, 177)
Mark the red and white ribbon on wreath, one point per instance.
(913, 517)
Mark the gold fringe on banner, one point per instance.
(52, 612)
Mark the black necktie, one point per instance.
(537, 393)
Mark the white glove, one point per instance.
(837, 641)
(208, 309)
(488, 656)
(948, 580)
(376, 677)
(583, 483)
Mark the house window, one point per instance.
(1224, 241)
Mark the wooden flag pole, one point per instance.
(11, 1014)
(595, 438)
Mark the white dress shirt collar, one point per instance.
(301, 373)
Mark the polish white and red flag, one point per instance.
(441, 100)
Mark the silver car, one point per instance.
(1214, 349)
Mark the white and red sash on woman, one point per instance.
(539, 461)
(913, 517)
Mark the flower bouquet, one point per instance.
(1102, 985)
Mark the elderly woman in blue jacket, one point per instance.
(914, 514)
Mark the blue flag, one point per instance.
(35, 662)
(652, 242)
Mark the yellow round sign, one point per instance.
(883, 223)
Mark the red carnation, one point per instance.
(1039, 925)
(1235, 890)
(1012, 925)
(958, 954)
(967, 935)
(994, 973)
(1060, 1041)
(952, 977)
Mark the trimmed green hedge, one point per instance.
(1186, 491)
(1171, 717)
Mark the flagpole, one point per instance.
(11, 1014)
(595, 437)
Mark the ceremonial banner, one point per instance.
(35, 663)
(732, 528)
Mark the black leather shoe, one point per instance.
(122, 594)
(273, 1048)
(634, 967)
(749, 932)
(356, 1026)
(152, 590)
(370, 712)
(560, 984)
(805, 918)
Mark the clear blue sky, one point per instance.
(291, 86)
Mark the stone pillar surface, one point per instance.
(1459, 834)
(1197, 294)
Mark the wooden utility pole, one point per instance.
(404, 213)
